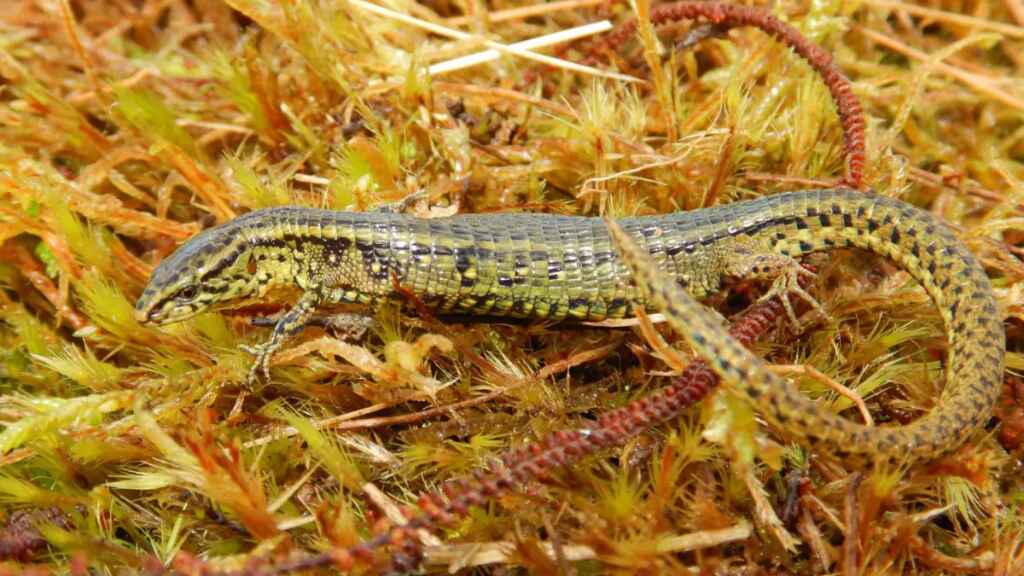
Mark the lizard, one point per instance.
(551, 267)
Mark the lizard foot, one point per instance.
(788, 283)
(261, 365)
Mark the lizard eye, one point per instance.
(187, 293)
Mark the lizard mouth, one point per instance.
(167, 315)
(147, 316)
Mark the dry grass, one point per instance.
(125, 127)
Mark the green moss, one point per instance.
(145, 445)
(147, 113)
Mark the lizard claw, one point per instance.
(261, 365)
(789, 284)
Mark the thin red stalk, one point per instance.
(523, 465)
(725, 16)
(20, 538)
(559, 449)
(565, 447)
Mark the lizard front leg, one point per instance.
(289, 325)
(784, 272)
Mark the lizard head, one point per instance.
(206, 272)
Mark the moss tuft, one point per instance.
(127, 127)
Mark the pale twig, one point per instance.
(459, 35)
(764, 512)
(482, 553)
(312, 179)
(852, 538)
(810, 500)
(704, 539)
(657, 318)
(223, 126)
(668, 354)
(813, 373)
(531, 44)
(822, 551)
(524, 12)
(326, 423)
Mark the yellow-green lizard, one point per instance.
(555, 267)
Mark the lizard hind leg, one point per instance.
(784, 272)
